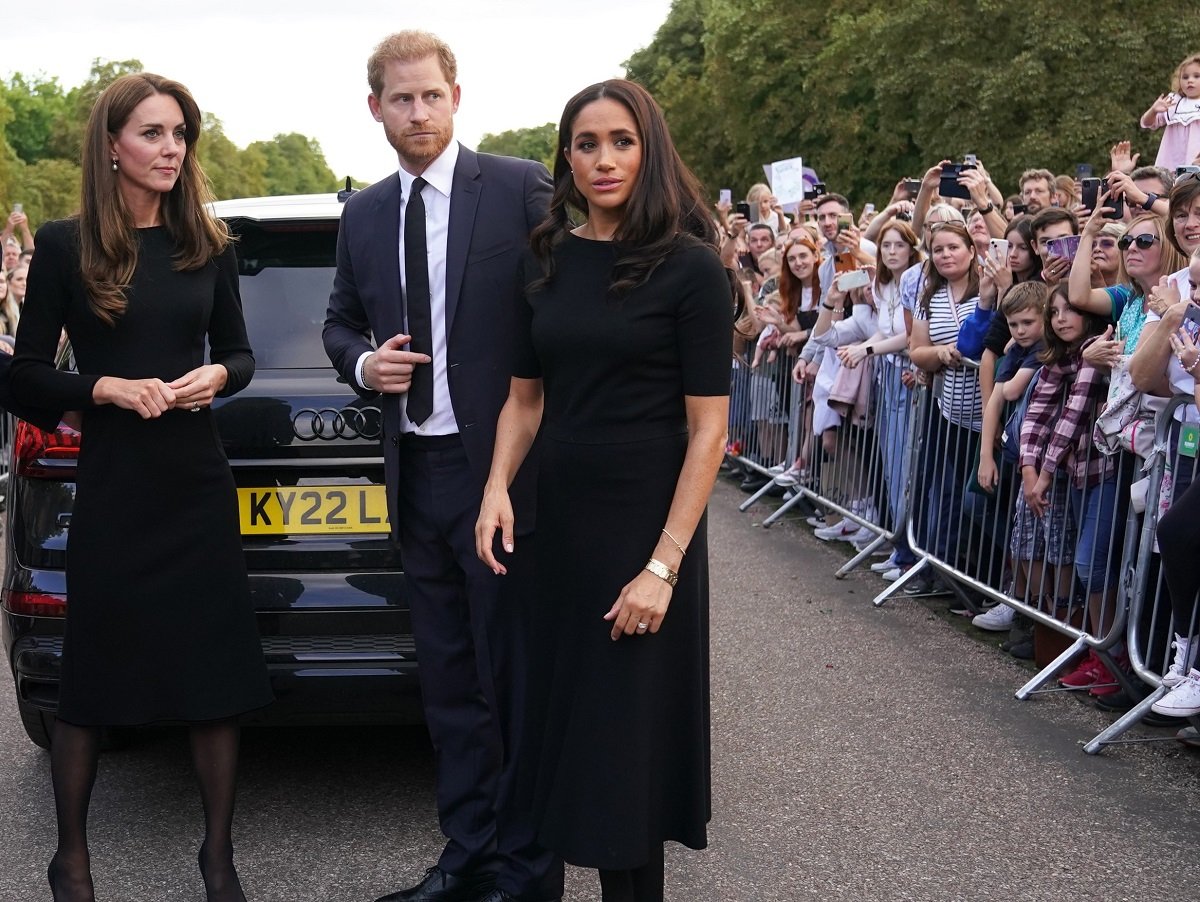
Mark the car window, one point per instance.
(286, 273)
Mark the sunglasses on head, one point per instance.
(1144, 242)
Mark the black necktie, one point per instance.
(416, 296)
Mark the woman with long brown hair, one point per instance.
(140, 280)
(625, 379)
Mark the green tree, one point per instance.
(36, 107)
(49, 189)
(232, 172)
(538, 143)
(868, 93)
(295, 165)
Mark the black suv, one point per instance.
(305, 453)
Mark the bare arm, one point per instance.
(1079, 285)
(515, 431)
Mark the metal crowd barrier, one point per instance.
(917, 488)
(1151, 622)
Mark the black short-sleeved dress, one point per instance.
(159, 619)
(619, 738)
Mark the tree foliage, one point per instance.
(868, 93)
(41, 137)
(536, 143)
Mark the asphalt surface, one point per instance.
(859, 753)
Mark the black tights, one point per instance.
(641, 884)
(74, 753)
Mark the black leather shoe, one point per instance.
(439, 886)
(498, 895)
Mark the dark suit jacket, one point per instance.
(494, 204)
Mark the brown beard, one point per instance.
(419, 155)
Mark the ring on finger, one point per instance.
(642, 627)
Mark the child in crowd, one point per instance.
(1178, 112)
(1034, 541)
(1056, 437)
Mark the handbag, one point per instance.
(1127, 421)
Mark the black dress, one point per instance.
(619, 756)
(159, 620)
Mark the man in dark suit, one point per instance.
(427, 262)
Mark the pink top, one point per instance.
(1181, 141)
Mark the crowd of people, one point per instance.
(17, 242)
(1048, 324)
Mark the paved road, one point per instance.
(858, 754)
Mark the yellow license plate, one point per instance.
(313, 510)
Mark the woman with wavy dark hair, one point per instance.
(626, 375)
(141, 279)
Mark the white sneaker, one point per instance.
(816, 521)
(861, 536)
(838, 532)
(884, 566)
(892, 575)
(997, 620)
(1183, 700)
(1185, 657)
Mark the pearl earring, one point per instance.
(114, 164)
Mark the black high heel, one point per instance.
(53, 876)
(241, 895)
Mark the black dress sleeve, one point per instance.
(53, 275)
(227, 339)
(525, 360)
(705, 324)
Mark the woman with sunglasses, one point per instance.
(1108, 269)
(1153, 367)
(1147, 257)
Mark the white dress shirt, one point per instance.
(440, 177)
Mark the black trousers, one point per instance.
(470, 627)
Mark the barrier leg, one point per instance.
(1047, 674)
(1130, 718)
(895, 587)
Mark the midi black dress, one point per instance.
(618, 749)
(159, 622)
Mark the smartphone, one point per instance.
(1185, 170)
(742, 209)
(998, 249)
(913, 187)
(970, 159)
(1191, 323)
(18, 208)
(844, 263)
(868, 209)
(1083, 171)
(948, 186)
(845, 221)
(1092, 189)
(1066, 246)
(815, 191)
(1020, 209)
(857, 278)
(726, 196)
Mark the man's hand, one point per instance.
(390, 368)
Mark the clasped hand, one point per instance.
(389, 369)
(150, 398)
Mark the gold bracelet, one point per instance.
(662, 571)
(674, 542)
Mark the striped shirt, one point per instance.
(959, 397)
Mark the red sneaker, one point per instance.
(1107, 683)
(1086, 674)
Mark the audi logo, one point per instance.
(328, 423)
